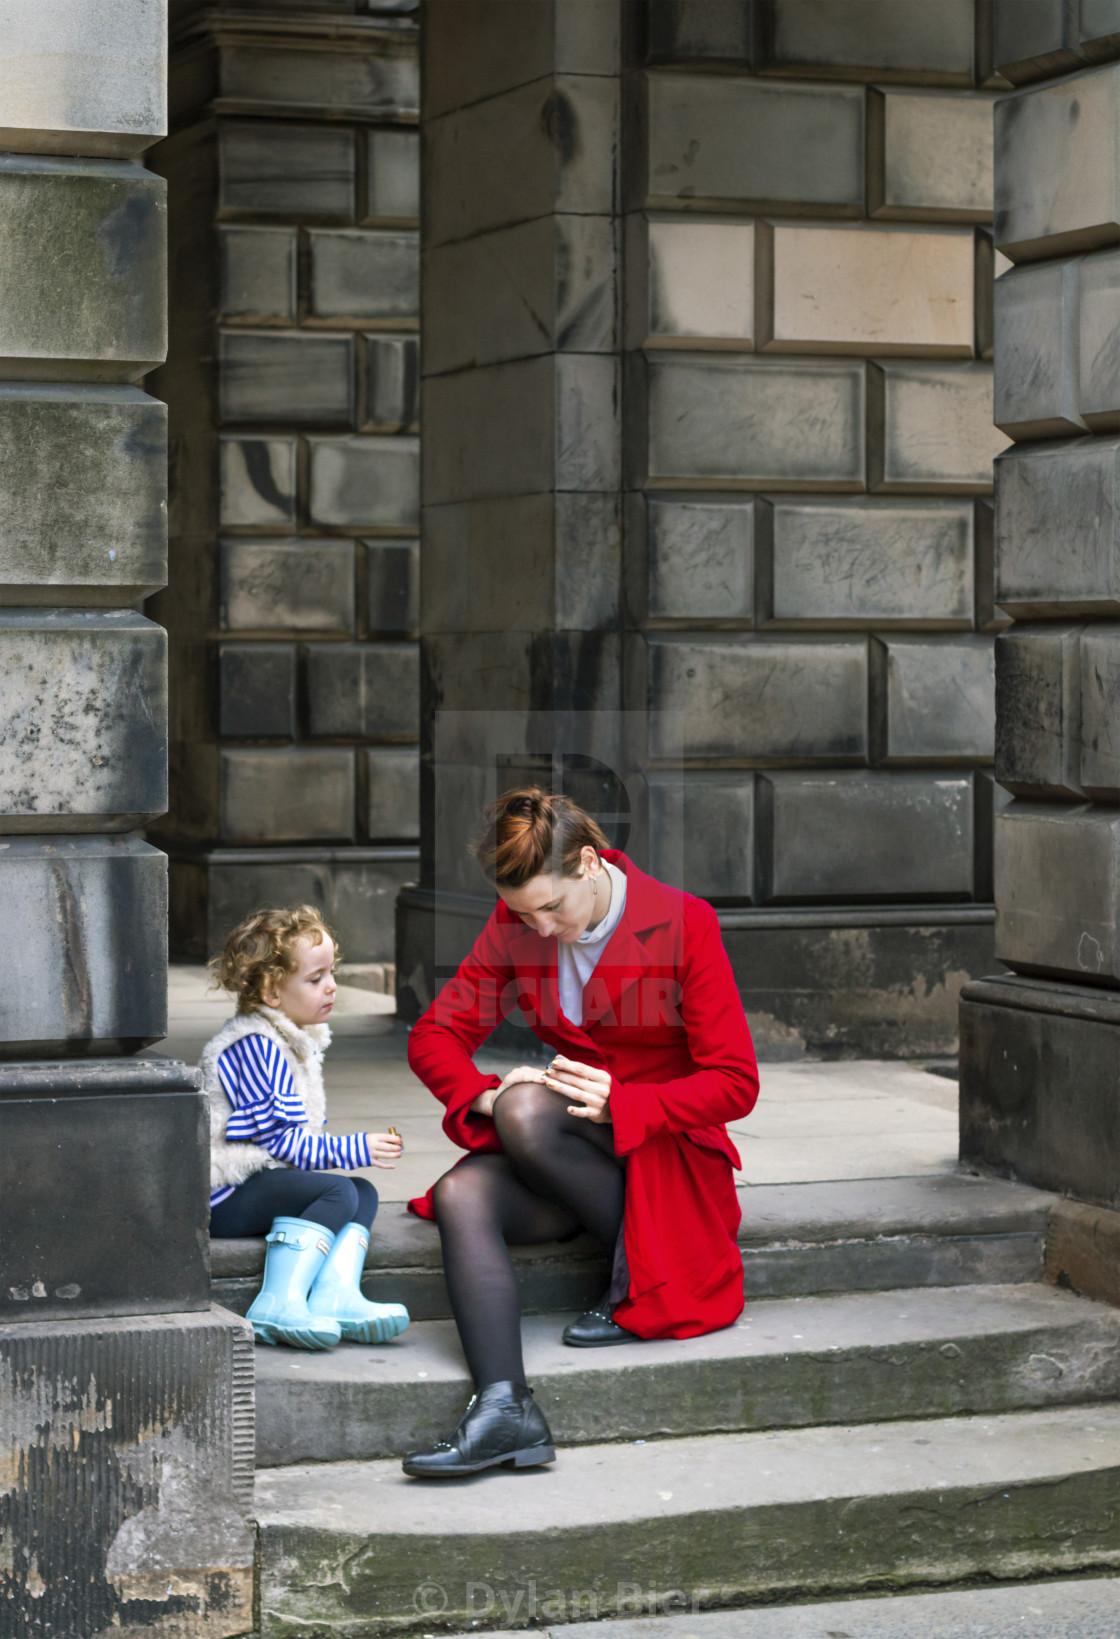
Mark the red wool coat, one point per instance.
(663, 1016)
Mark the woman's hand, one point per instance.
(484, 1103)
(589, 1084)
(384, 1149)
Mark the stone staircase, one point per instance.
(903, 1404)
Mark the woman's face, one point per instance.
(557, 906)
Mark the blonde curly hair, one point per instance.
(261, 952)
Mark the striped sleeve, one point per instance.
(257, 1080)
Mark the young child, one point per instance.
(263, 1073)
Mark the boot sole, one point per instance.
(529, 1457)
(598, 1342)
(372, 1331)
(294, 1338)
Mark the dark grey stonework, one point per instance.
(94, 1227)
(393, 586)
(393, 174)
(1038, 710)
(392, 383)
(1040, 1064)
(1100, 712)
(257, 687)
(82, 481)
(366, 691)
(364, 483)
(394, 793)
(873, 41)
(262, 373)
(700, 560)
(287, 585)
(932, 699)
(1035, 313)
(258, 276)
(279, 170)
(364, 274)
(73, 898)
(258, 482)
(286, 795)
(1058, 529)
(702, 833)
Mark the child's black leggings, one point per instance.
(328, 1198)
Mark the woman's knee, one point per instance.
(462, 1192)
(527, 1117)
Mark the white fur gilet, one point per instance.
(303, 1049)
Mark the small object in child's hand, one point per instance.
(393, 1133)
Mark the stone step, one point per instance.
(857, 1235)
(1088, 1608)
(355, 1550)
(791, 1362)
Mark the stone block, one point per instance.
(370, 483)
(394, 794)
(1035, 39)
(932, 700)
(864, 289)
(361, 78)
(83, 269)
(88, 972)
(355, 888)
(1038, 710)
(482, 48)
(1036, 325)
(258, 482)
(550, 285)
(1058, 166)
(752, 423)
(1040, 1063)
(697, 31)
(1057, 879)
(393, 586)
(257, 690)
(702, 833)
(83, 720)
(1100, 712)
(756, 698)
(546, 146)
(81, 79)
(698, 284)
(1083, 1250)
(367, 691)
(297, 794)
(258, 273)
(522, 429)
(1058, 529)
(286, 170)
(929, 155)
(1100, 29)
(392, 367)
(714, 140)
(286, 376)
(700, 560)
(930, 428)
(83, 515)
(873, 40)
(364, 273)
(296, 586)
(393, 175)
(861, 562)
(849, 836)
(1098, 344)
(476, 575)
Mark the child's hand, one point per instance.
(384, 1149)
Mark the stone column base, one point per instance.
(1040, 1068)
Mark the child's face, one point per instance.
(307, 994)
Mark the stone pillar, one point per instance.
(1040, 1060)
(292, 389)
(123, 1395)
(795, 201)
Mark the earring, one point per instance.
(594, 886)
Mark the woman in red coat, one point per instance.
(623, 1135)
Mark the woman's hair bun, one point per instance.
(529, 832)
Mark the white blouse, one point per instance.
(575, 963)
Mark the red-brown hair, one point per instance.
(530, 832)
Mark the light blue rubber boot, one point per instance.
(337, 1293)
(296, 1252)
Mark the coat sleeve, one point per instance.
(724, 1085)
(442, 1043)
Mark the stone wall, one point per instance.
(709, 437)
(1042, 1049)
(292, 384)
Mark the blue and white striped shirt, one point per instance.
(257, 1080)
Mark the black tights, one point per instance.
(558, 1174)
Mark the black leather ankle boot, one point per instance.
(502, 1424)
(597, 1329)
